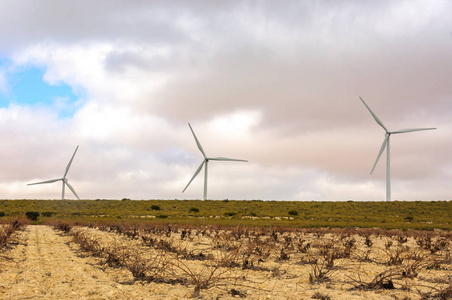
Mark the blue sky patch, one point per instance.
(26, 86)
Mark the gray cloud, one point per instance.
(275, 83)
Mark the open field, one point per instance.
(161, 249)
(389, 215)
(139, 261)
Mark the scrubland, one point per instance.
(423, 215)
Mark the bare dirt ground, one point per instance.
(47, 264)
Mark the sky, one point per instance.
(274, 82)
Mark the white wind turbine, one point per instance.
(206, 162)
(386, 144)
(64, 179)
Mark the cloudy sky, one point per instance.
(273, 82)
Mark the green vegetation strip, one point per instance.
(423, 215)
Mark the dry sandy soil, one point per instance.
(46, 264)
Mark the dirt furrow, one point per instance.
(45, 266)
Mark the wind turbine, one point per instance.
(64, 179)
(387, 144)
(206, 162)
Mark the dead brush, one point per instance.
(225, 243)
(146, 267)
(186, 251)
(252, 254)
(63, 226)
(247, 254)
(346, 248)
(363, 255)
(395, 255)
(412, 268)
(368, 241)
(439, 293)
(116, 256)
(383, 280)
(320, 270)
(330, 251)
(438, 263)
(303, 246)
(142, 264)
(283, 255)
(196, 255)
(318, 295)
(387, 278)
(7, 230)
(216, 273)
(321, 264)
(87, 243)
(3, 237)
(5, 233)
(363, 250)
(162, 243)
(433, 245)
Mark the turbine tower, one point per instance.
(205, 163)
(64, 179)
(386, 144)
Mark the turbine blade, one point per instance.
(225, 159)
(47, 181)
(70, 162)
(196, 174)
(383, 146)
(374, 115)
(197, 142)
(72, 189)
(411, 130)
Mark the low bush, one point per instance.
(32, 215)
(6, 231)
(230, 214)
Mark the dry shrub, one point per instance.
(388, 278)
(166, 262)
(432, 244)
(64, 226)
(320, 271)
(87, 242)
(7, 231)
(321, 264)
(318, 295)
(213, 256)
(141, 264)
(444, 293)
(235, 292)
(217, 273)
(383, 280)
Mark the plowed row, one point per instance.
(108, 262)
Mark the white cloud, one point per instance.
(274, 83)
